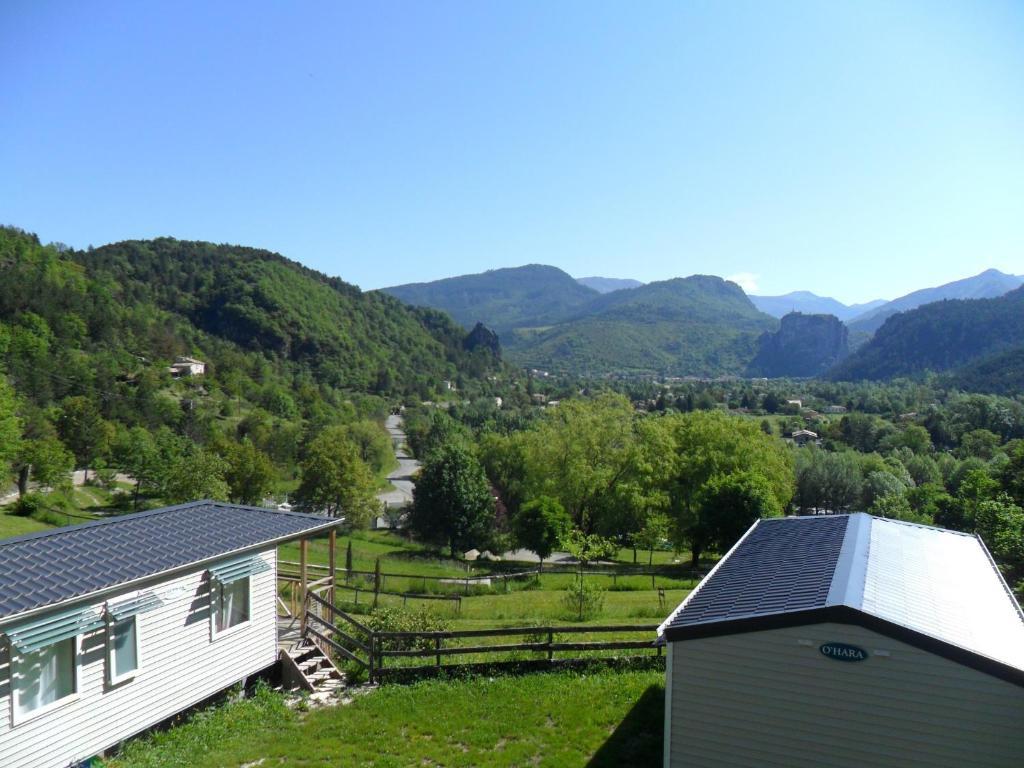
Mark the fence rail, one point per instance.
(348, 638)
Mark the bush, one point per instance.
(388, 619)
(583, 600)
(28, 505)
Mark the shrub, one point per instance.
(28, 505)
(389, 619)
(583, 600)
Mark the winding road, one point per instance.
(401, 478)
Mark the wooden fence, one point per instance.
(668, 572)
(348, 638)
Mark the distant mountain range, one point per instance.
(987, 285)
(502, 299)
(608, 284)
(812, 304)
(700, 325)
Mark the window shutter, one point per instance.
(133, 606)
(33, 635)
(239, 568)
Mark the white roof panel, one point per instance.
(942, 584)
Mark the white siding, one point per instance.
(180, 666)
(771, 699)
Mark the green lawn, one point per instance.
(12, 525)
(599, 718)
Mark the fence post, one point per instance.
(551, 639)
(372, 650)
(437, 647)
(376, 583)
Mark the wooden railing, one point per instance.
(344, 636)
(546, 647)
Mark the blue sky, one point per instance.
(858, 150)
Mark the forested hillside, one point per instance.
(266, 303)
(941, 336)
(502, 298)
(299, 368)
(699, 325)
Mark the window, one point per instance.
(122, 649)
(232, 604)
(44, 677)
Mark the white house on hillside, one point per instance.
(114, 626)
(187, 366)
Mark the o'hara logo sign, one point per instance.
(843, 652)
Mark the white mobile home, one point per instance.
(111, 627)
(843, 642)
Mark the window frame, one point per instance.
(113, 679)
(17, 659)
(217, 596)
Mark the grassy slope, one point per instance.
(11, 525)
(532, 720)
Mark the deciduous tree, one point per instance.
(452, 501)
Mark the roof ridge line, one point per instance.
(149, 513)
(707, 578)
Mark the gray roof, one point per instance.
(937, 587)
(51, 567)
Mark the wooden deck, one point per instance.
(288, 635)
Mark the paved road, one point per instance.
(401, 478)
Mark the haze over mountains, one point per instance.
(608, 284)
(811, 304)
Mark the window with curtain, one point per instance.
(232, 606)
(123, 639)
(44, 677)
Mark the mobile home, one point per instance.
(111, 627)
(847, 641)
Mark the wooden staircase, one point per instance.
(307, 667)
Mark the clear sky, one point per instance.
(858, 150)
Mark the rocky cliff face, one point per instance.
(804, 346)
(482, 336)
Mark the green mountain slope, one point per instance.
(1001, 374)
(265, 303)
(940, 336)
(502, 299)
(699, 325)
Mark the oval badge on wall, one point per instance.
(843, 652)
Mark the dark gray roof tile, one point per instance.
(51, 567)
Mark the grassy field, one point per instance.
(529, 720)
(11, 525)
